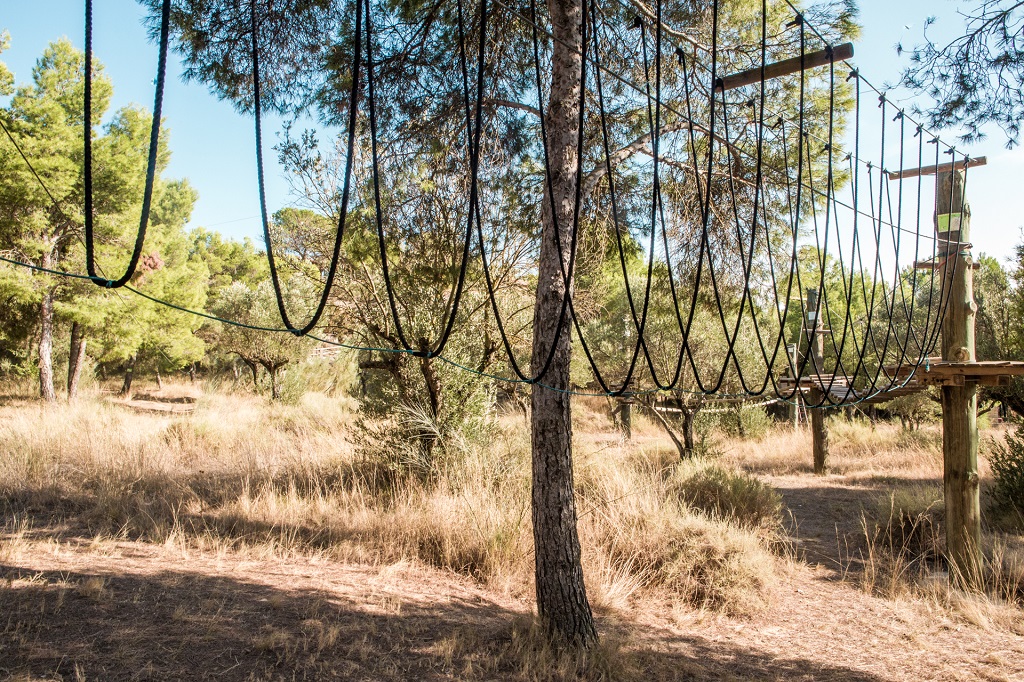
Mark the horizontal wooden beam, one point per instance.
(973, 371)
(940, 168)
(785, 67)
(932, 265)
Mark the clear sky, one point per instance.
(212, 145)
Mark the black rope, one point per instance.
(151, 163)
(346, 186)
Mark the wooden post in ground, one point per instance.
(959, 403)
(815, 394)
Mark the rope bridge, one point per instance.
(755, 175)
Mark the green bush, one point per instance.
(746, 421)
(331, 376)
(1007, 463)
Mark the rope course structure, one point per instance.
(751, 177)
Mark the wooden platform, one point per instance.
(837, 386)
(938, 372)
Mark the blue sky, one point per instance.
(212, 145)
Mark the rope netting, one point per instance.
(701, 216)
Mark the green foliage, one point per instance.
(45, 116)
(334, 377)
(256, 307)
(914, 409)
(1007, 462)
(973, 79)
(744, 421)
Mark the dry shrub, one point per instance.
(732, 495)
(904, 540)
(904, 554)
(277, 479)
(651, 539)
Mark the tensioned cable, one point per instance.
(151, 162)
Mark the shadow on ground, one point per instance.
(184, 625)
(829, 520)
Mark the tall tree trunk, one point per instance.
(561, 595)
(428, 436)
(76, 359)
(129, 374)
(46, 389)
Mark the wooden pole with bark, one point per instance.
(959, 402)
(562, 603)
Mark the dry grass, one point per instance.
(242, 475)
(240, 482)
(859, 451)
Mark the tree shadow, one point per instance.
(831, 522)
(178, 625)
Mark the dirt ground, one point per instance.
(74, 608)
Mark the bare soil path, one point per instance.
(825, 516)
(109, 610)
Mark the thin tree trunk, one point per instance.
(129, 374)
(683, 454)
(76, 359)
(255, 370)
(46, 389)
(561, 595)
(433, 383)
(819, 432)
(688, 419)
(275, 383)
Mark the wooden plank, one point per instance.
(785, 67)
(986, 368)
(932, 265)
(935, 170)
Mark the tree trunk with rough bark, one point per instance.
(76, 359)
(689, 416)
(561, 595)
(46, 389)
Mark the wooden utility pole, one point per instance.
(960, 384)
(959, 402)
(816, 394)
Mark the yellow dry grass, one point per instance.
(242, 474)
